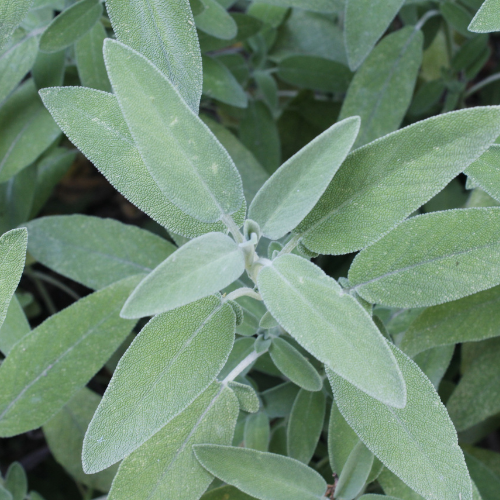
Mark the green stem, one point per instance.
(242, 366)
(43, 292)
(243, 292)
(233, 228)
(290, 246)
(56, 283)
(482, 83)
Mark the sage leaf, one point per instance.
(487, 18)
(87, 332)
(332, 326)
(226, 493)
(279, 400)
(485, 171)
(15, 326)
(201, 180)
(70, 25)
(427, 445)
(372, 496)
(93, 251)
(262, 475)
(312, 5)
(155, 381)
(355, 472)
(11, 14)
(199, 268)
(484, 467)
(5, 494)
(392, 485)
(293, 190)
(434, 362)
(164, 32)
(165, 466)
(12, 258)
(455, 247)
(94, 123)
(16, 481)
(247, 397)
(376, 178)
(257, 431)
(215, 21)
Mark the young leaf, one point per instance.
(263, 475)
(215, 21)
(293, 190)
(395, 175)
(155, 381)
(201, 180)
(332, 326)
(456, 247)
(94, 123)
(247, 397)
(487, 18)
(164, 32)
(11, 14)
(365, 22)
(485, 171)
(93, 251)
(355, 472)
(199, 268)
(70, 25)
(15, 326)
(427, 445)
(387, 76)
(16, 481)
(87, 333)
(165, 466)
(257, 431)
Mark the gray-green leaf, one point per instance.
(11, 14)
(355, 472)
(215, 21)
(487, 18)
(16, 481)
(15, 326)
(485, 172)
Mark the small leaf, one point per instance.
(355, 472)
(49, 69)
(215, 21)
(263, 475)
(279, 400)
(332, 326)
(293, 190)
(93, 251)
(16, 481)
(247, 397)
(199, 268)
(89, 330)
(155, 381)
(11, 14)
(456, 16)
(257, 431)
(201, 180)
(456, 247)
(70, 25)
(226, 493)
(487, 18)
(485, 171)
(15, 326)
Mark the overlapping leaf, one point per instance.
(485, 172)
(11, 14)
(487, 18)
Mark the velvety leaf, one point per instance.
(418, 442)
(372, 496)
(382, 89)
(484, 468)
(11, 14)
(201, 179)
(355, 472)
(257, 431)
(165, 466)
(456, 247)
(263, 475)
(456, 16)
(293, 190)
(226, 493)
(485, 171)
(434, 362)
(199, 268)
(16, 481)
(87, 333)
(312, 5)
(49, 69)
(487, 18)
(247, 397)
(215, 21)
(155, 381)
(70, 25)
(93, 251)
(5, 494)
(395, 175)
(164, 32)
(15, 326)
(279, 400)
(332, 326)
(392, 485)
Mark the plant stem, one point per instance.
(57, 283)
(242, 366)
(233, 228)
(290, 246)
(43, 292)
(243, 292)
(482, 83)
(425, 18)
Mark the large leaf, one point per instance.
(60, 356)
(165, 466)
(164, 32)
(431, 259)
(393, 176)
(293, 190)
(387, 77)
(199, 268)
(487, 18)
(365, 22)
(263, 475)
(94, 123)
(472, 318)
(12, 258)
(484, 467)
(485, 172)
(12, 13)
(418, 442)
(15, 326)
(155, 380)
(93, 251)
(332, 326)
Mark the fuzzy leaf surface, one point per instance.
(485, 171)
(215, 21)
(12, 12)
(487, 18)
(15, 326)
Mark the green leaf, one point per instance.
(263, 475)
(293, 190)
(484, 468)
(332, 326)
(64, 433)
(155, 381)
(11, 14)
(395, 175)
(4, 494)
(485, 171)
(49, 69)
(164, 32)
(15, 326)
(94, 123)
(165, 466)
(434, 362)
(199, 268)
(355, 472)
(257, 431)
(456, 247)
(12, 258)
(87, 333)
(16, 481)
(26, 130)
(427, 445)
(487, 18)
(220, 84)
(393, 486)
(226, 493)
(456, 16)
(279, 400)
(470, 319)
(201, 179)
(294, 366)
(387, 76)
(312, 5)
(365, 22)
(371, 496)
(70, 25)
(247, 397)
(215, 21)
(308, 412)
(93, 251)
(90, 60)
